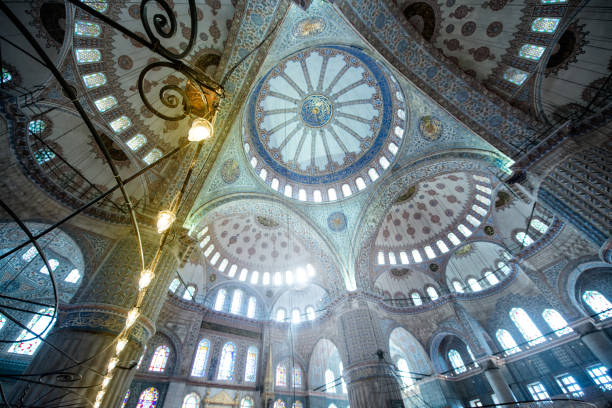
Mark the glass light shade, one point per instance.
(146, 276)
(201, 129)
(131, 317)
(120, 345)
(164, 220)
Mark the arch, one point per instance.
(324, 357)
(148, 398)
(201, 358)
(409, 356)
(590, 276)
(191, 401)
(445, 339)
(556, 322)
(227, 362)
(526, 326)
(159, 359)
(506, 341)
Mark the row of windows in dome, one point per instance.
(533, 52)
(28, 256)
(296, 315)
(347, 189)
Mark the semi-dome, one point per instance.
(324, 123)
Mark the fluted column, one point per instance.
(83, 337)
(498, 384)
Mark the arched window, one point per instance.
(191, 401)
(280, 315)
(474, 285)
(236, 301)
(148, 398)
(228, 360)
(506, 341)
(297, 404)
(250, 371)
(29, 254)
(174, 285)
(189, 292)
(220, 301)
(159, 360)
(503, 267)
(246, 402)
(456, 361)
(341, 368)
(279, 403)
(404, 372)
(330, 381)
(416, 298)
(310, 313)
(125, 399)
(523, 239)
(201, 358)
(251, 307)
(144, 350)
(457, 286)
(469, 350)
(27, 344)
(538, 225)
(491, 278)
(432, 293)
(297, 377)
(528, 329)
(599, 303)
(556, 322)
(295, 316)
(53, 263)
(281, 376)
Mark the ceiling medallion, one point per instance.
(489, 230)
(316, 110)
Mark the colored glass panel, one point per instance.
(148, 398)
(191, 401)
(159, 360)
(516, 76)
(279, 403)
(528, 329)
(456, 361)
(106, 103)
(531, 52)
(36, 126)
(599, 303)
(40, 324)
(538, 225)
(600, 376)
(174, 285)
(281, 376)
(136, 142)
(297, 377)
(153, 156)
(120, 124)
(87, 29)
(228, 361)
(125, 399)
(250, 372)
(2, 321)
(545, 25)
(523, 239)
(94, 80)
(247, 403)
(507, 342)
(201, 358)
(556, 322)
(6, 75)
(553, 1)
(29, 254)
(43, 155)
(98, 5)
(87, 55)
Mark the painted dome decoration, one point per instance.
(433, 216)
(324, 123)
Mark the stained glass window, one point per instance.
(297, 377)
(570, 386)
(153, 156)
(2, 321)
(280, 315)
(432, 293)
(174, 285)
(599, 303)
(310, 313)
(159, 360)
(538, 391)
(94, 80)
(43, 155)
(148, 398)
(73, 276)
(474, 285)
(507, 342)
(98, 5)
(6, 75)
(236, 301)
(538, 225)
(40, 324)
(36, 126)
(456, 361)
(295, 316)
(491, 278)
(87, 55)
(251, 307)
(189, 292)
(457, 286)
(125, 399)
(528, 329)
(136, 142)
(120, 124)
(600, 376)
(503, 267)
(87, 29)
(545, 25)
(523, 239)
(228, 360)
(29, 254)
(247, 402)
(416, 298)
(556, 322)
(281, 376)
(297, 404)
(250, 371)
(531, 52)
(330, 381)
(279, 403)
(220, 301)
(191, 401)
(469, 350)
(404, 372)
(106, 103)
(201, 358)
(53, 263)
(516, 76)
(553, 1)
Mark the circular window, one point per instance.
(324, 123)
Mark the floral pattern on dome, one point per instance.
(430, 128)
(324, 123)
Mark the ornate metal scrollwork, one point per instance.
(165, 26)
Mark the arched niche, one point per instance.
(211, 299)
(596, 278)
(301, 299)
(443, 346)
(325, 356)
(402, 344)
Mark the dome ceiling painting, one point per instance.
(431, 217)
(324, 123)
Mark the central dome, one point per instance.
(324, 123)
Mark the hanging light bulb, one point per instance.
(165, 219)
(131, 317)
(201, 129)
(145, 279)
(112, 363)
(120, 345)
